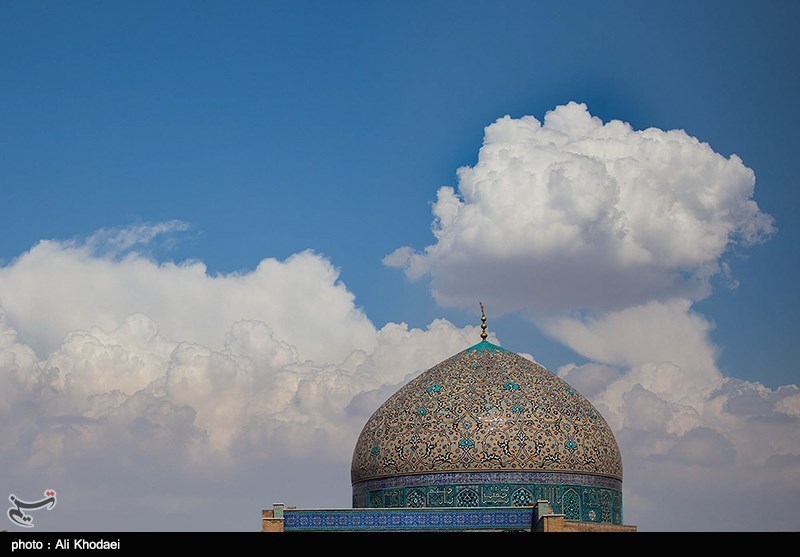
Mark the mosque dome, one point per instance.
(488, 427)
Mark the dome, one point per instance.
(487, 427)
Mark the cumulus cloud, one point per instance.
(604, 237)
(58, 287)
(170, 427)
(574, 214)
(694, 442)
(698, 448)
(661, 332)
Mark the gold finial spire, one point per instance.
(483, 323)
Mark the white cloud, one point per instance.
(59, 287)
(652, 332)
(574, 214)
(117, 241)
(692, 440)
(129, 413)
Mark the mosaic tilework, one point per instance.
(485, 409)
(498, 477)
(582, 501)
(406, 519)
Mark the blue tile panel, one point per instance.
(408, 520)
(583, 497)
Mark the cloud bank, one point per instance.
(165, 394)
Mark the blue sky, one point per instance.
(258, 130)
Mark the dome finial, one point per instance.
(483, 323)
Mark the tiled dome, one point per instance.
(485, 409)
(487, 427)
